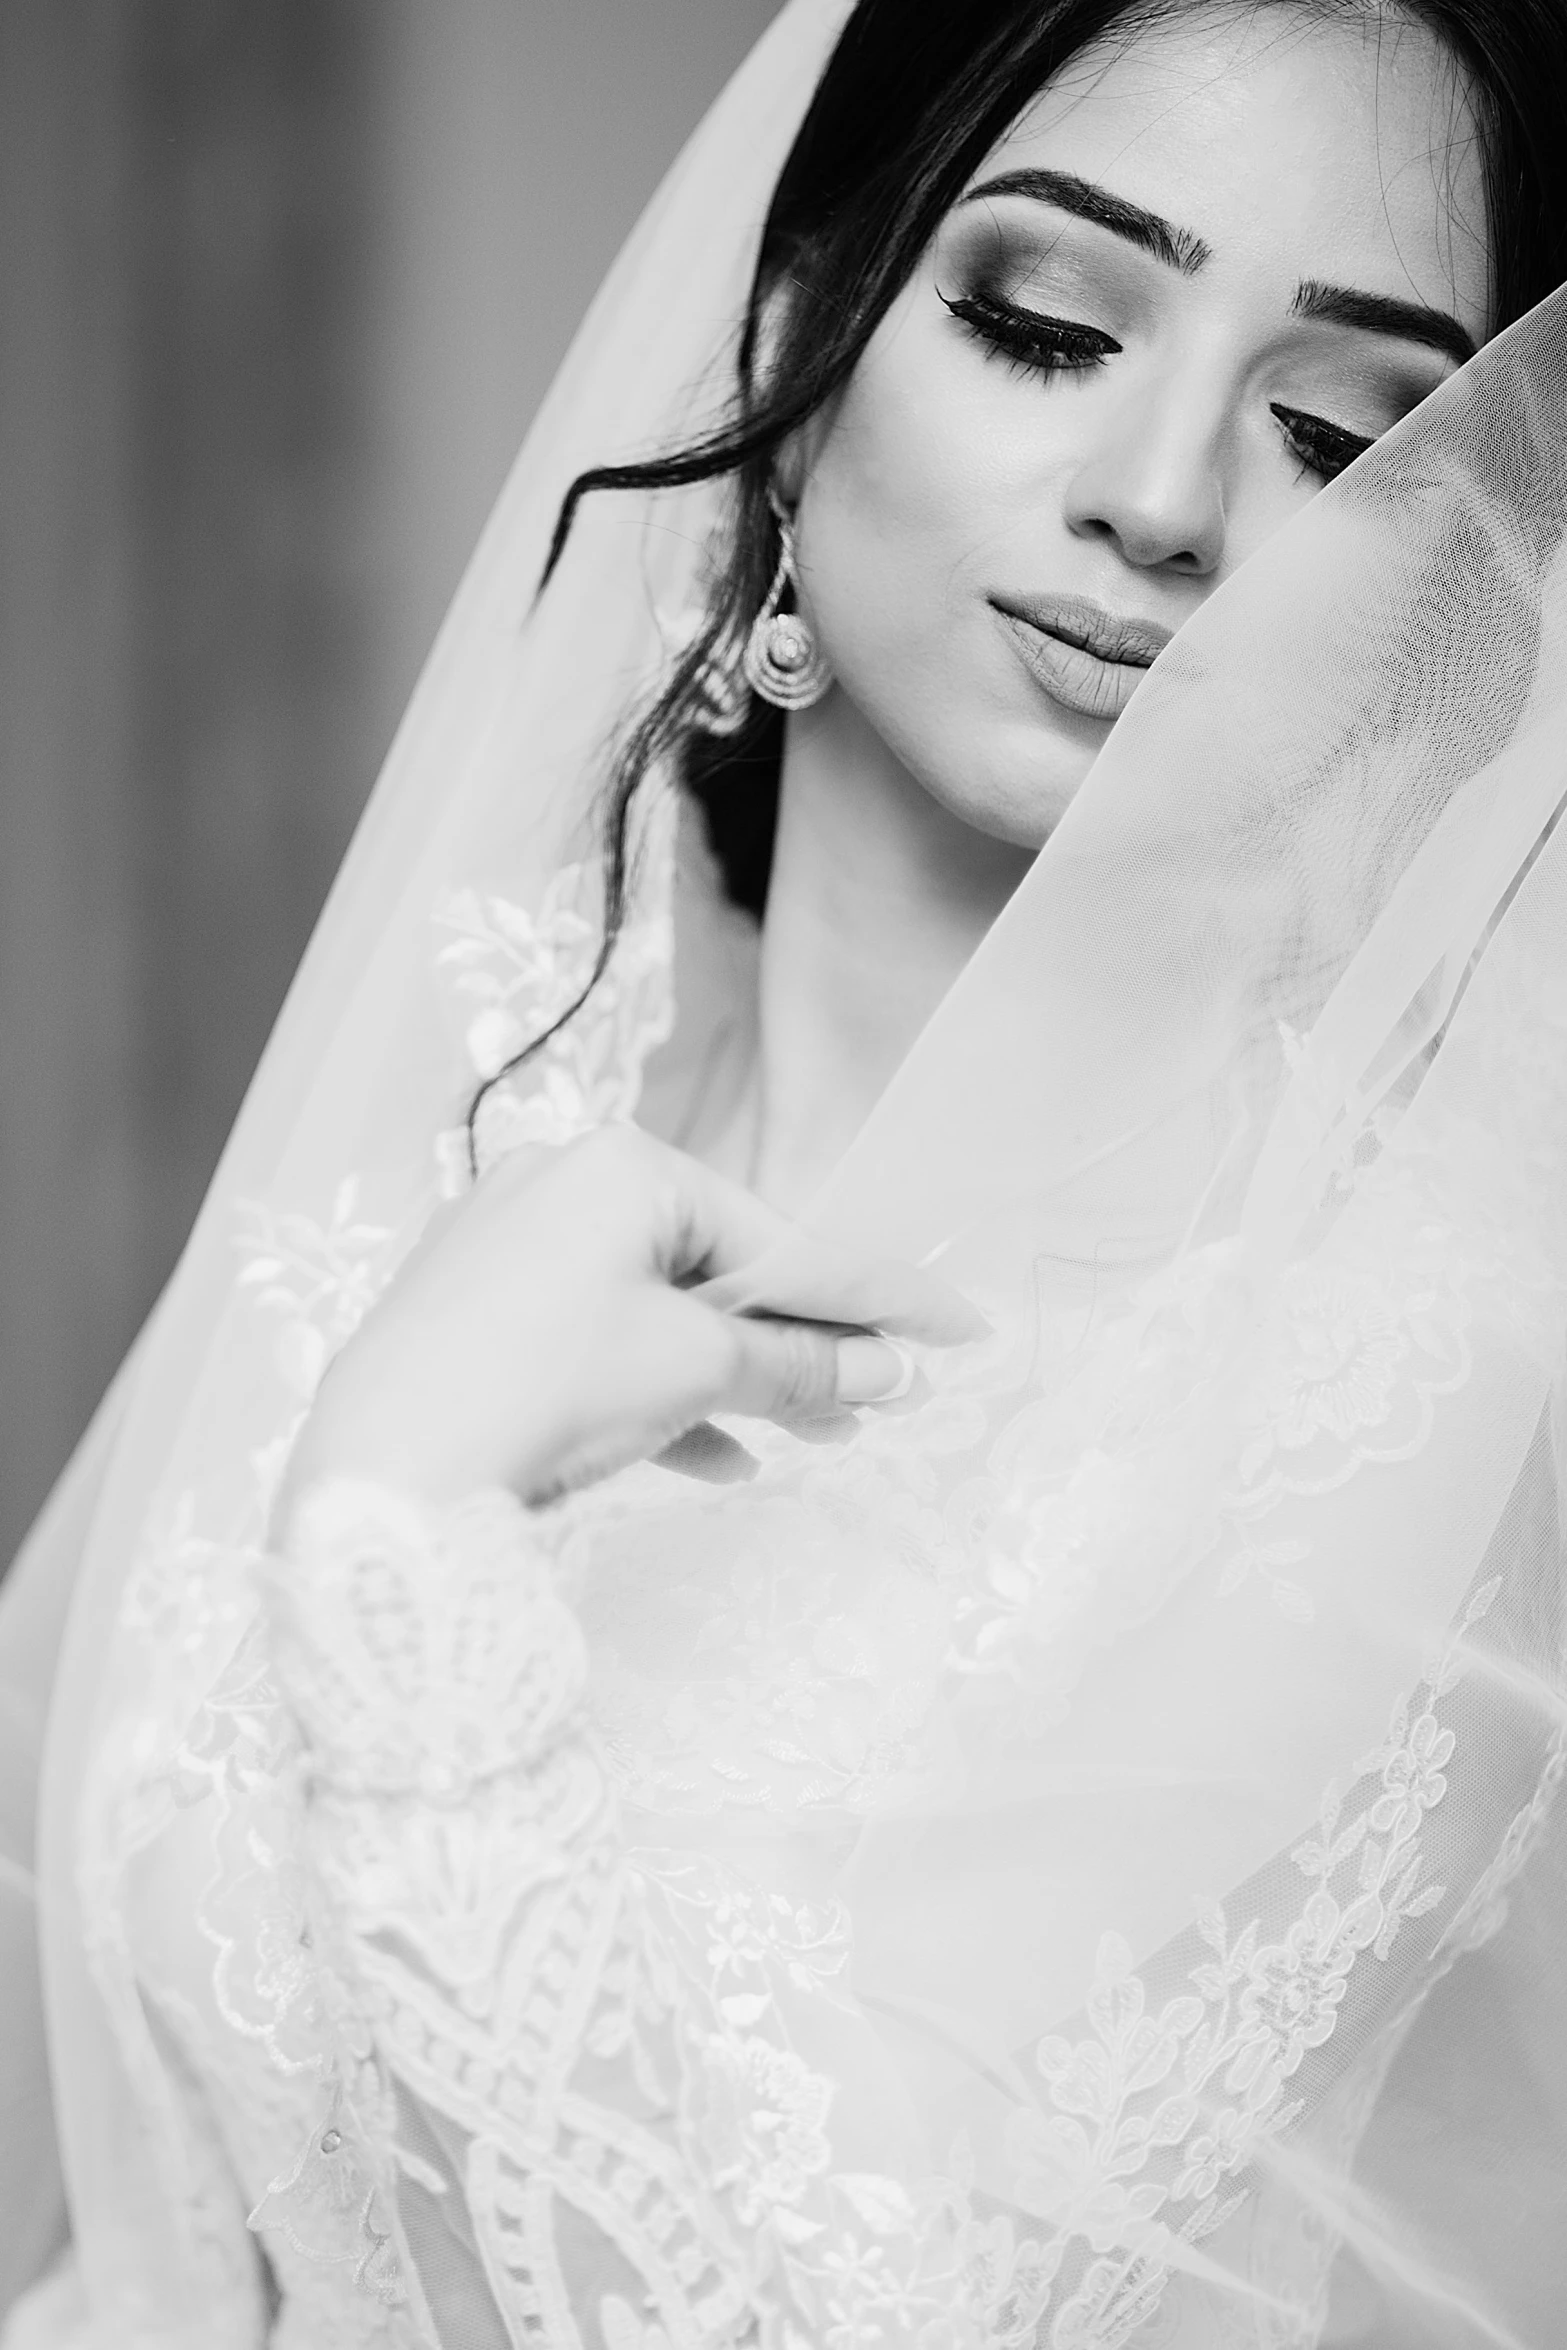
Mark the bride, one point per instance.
(829, 1609)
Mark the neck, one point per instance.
(878, 897)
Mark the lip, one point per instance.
(1088, 659)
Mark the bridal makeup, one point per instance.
(1032, 284)
(1201, 276)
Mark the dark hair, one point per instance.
(915, 95)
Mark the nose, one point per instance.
(1153, 482)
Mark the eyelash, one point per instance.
(1033, 344)
(1324, 449)
(1027, 339)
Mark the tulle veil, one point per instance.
(1189, 1658)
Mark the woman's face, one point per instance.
(1200, 273)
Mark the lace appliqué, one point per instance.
(596, 2035)
(416, 1670)
(203, 1765)
(315, 1280)
(1168, 2105)
(516, 972)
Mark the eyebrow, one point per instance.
(1177, 248)
(1183, 250)
(1381, 314)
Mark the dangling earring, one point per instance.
(783, 661)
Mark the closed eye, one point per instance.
(1039, 344)
(1030, 339)
(1324, 449)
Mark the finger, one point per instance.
(839, 1427)
(709, 1455)
(739, 1255)
(804, 1278)
(781, 1371)
(696, 1223)
(873, 1370)
(804, 1376)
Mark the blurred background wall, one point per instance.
(281, 282)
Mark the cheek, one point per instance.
(892, 512)
(937, 482)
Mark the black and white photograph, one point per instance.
(783, 1175)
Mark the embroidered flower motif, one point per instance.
(1213, 2153)
(318, 1278)
(1414, 1779)
(1074, 2172)
(783, 2114)
(1061, 2175)
(518, 972)
(736, 1937)
(1347, 1345)
(1131, 2124)
(1293, 2001)
(1295, 1987)
(1009, 2277)
(1147, 2078)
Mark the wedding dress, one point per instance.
(1075, 1864)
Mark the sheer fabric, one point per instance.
(1074, 1864)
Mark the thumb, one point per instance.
(788, 1370)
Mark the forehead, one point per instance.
(1341, 146)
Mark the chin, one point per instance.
(1020, 799)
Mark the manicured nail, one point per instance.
(873, 1370)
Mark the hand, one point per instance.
(589, 1306)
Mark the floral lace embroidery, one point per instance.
(316, 1280)
(207, 1744)
(205, 1730)
(1358, 1386)
(515, 973)
(1170, 2106)
(625, 2034)
(606, 2032)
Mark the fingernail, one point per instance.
(873, 1370)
